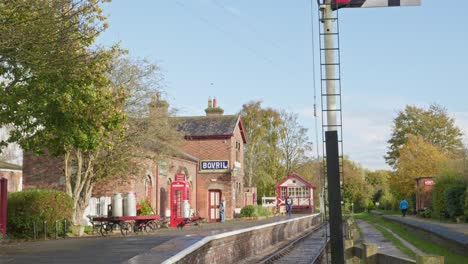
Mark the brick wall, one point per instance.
(151, 184)
(235, 246)
(43, 172)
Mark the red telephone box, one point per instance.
(180, 200)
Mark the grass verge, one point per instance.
(419, 242)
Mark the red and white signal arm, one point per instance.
(336, 4)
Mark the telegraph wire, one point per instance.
(221, 30)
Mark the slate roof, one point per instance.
(9, 166)
(207, 126)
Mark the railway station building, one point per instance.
(211, 158)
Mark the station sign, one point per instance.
(214, 165)
(429, 182)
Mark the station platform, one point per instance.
(139, 248)
(456, 233)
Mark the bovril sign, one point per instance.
(214, 165)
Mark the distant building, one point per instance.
(424, 187)
(14, 174)
(299, 190)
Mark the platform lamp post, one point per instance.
(327, 8)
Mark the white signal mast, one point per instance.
(332, 96)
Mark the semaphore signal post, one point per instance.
(331, 109)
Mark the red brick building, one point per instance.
(217, 140)
(212, 159)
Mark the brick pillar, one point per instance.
(370, 253)
(3, 205)
(425, 259)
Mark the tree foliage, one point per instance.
(294, 142)
(356, 190)
(262, 157)
(445, 180)
(378, 182)
(433, 125)
(54, 85)
(418, 158)
(150, 131)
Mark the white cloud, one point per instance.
(461, 120)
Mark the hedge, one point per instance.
(254, 210)
(36, 205)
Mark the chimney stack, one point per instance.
(213, 109)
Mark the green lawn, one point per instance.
(419, 242)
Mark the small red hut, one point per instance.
(297, 188)
(424, 192)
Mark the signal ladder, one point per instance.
(330, 83)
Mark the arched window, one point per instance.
(148, 187)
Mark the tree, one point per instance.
(293, 142)
(262, 157)
(379, 185)
(54, 86)
(433, 125)
(356, 190)
(418, 158)
(150, 133)
(311, 170)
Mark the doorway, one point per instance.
(214, 199)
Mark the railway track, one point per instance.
(305, 249)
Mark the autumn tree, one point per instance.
(262, 156)
(294, 142)
(418, 158)
(54, 86)
(433, 125)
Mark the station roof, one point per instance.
(296, 176)
(218, 126)
(9, 166)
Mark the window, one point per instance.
(237, 151)
(163, 168)
(283, 191)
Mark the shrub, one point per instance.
(247, 211)
(426, 213)
(466, 203)
(145, 208)
(454, 195)
(36, 205)
(254, 210)
(443, 182)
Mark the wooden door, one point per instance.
(214, 199)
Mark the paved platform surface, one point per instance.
(118, 249)
(385, 246)
(453, 231)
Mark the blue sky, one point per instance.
(246, 50)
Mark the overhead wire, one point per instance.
(221, 30)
